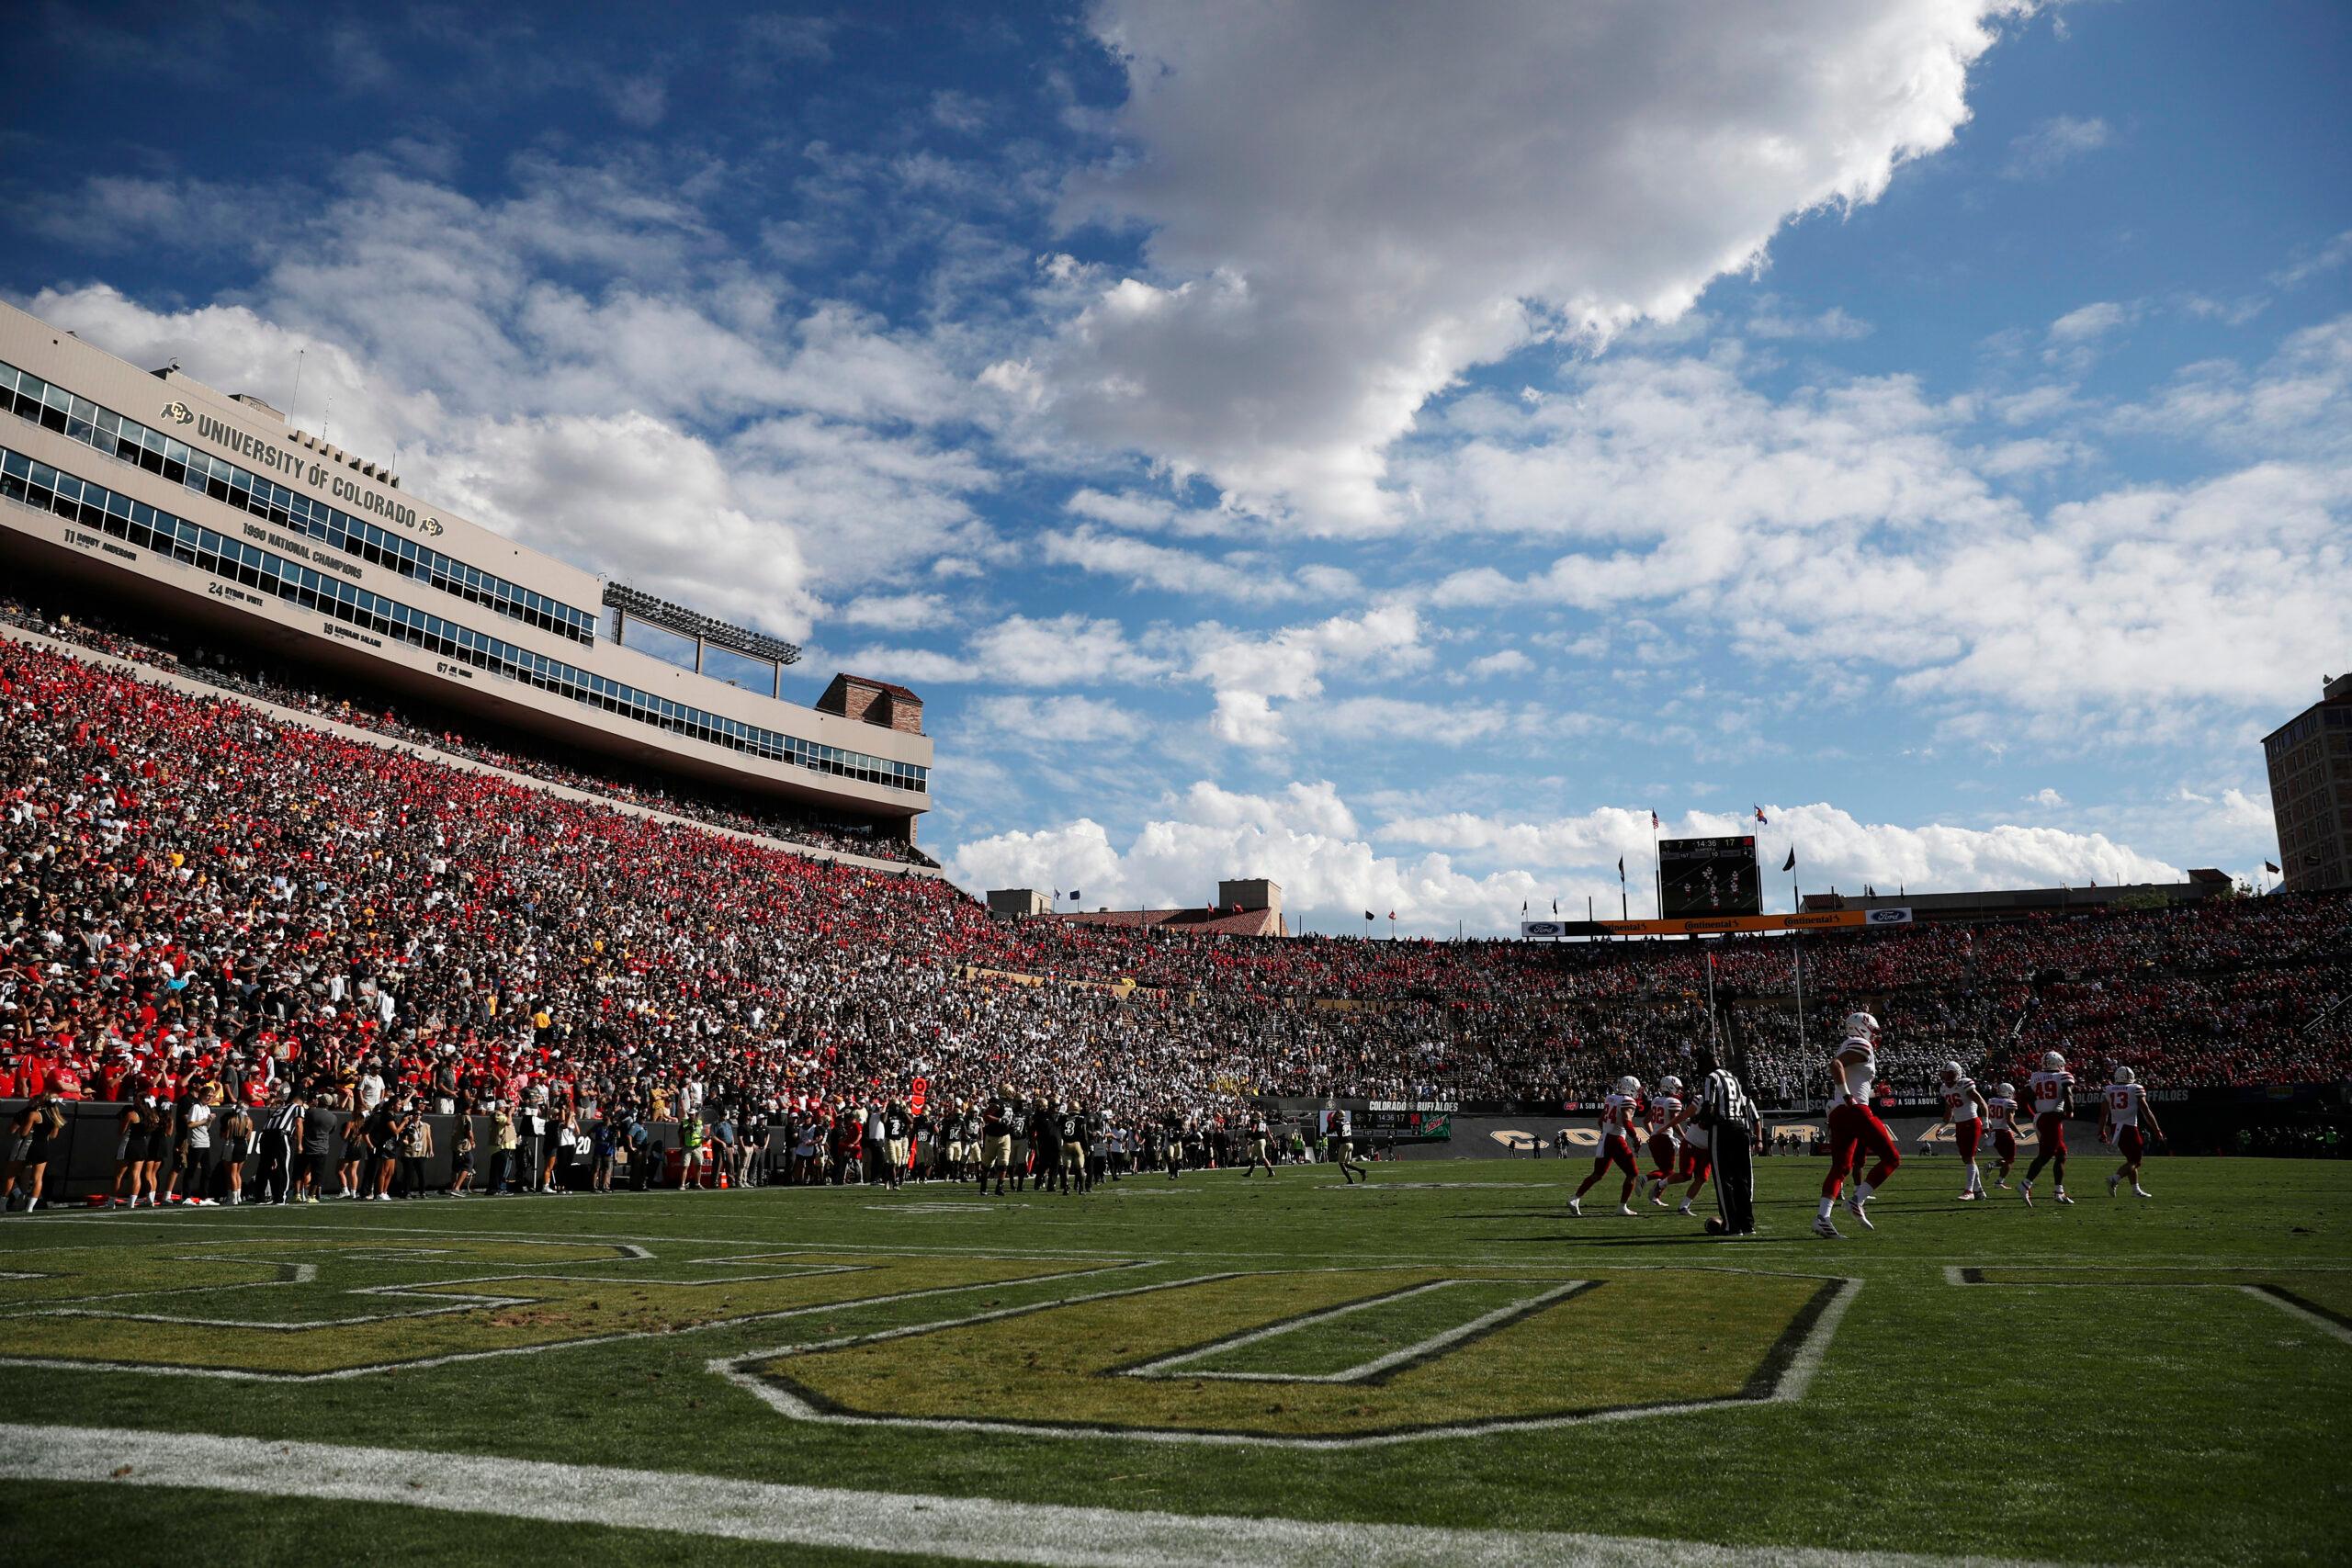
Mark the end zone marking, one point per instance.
(1798, 1362)
(972, 1528)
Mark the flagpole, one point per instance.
(1796, 948)
(1658, 866)
(1710, 1004)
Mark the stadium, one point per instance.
(490, 1076)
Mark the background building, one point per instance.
(2310, 789)
(1246, 907)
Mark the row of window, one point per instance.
(79, 419)
(136, 523)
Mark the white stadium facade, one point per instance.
(173, 504)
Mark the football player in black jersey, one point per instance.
(996, 1131)
(1070, 1135)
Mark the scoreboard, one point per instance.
(1408, 1121)
(1698, 878)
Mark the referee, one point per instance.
(1734, 1130)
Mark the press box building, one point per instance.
(210, 512)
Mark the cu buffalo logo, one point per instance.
(179, 413)
(431, 528)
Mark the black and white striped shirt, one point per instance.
(1723, 1103)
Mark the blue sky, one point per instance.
(1389, 449)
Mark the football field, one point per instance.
(1440, 1367)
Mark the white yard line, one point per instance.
(969, 1528)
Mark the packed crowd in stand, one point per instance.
(254, 677)
(199, 902)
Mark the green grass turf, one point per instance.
(2132, 1421)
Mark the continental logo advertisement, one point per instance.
(1717, 925)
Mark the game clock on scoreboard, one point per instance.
(1699, 877)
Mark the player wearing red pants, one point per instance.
(1617, 1114)
(1660, 1112)
(2001, 1121)
(2052, 1090)
(1964, 1109)
(1698, 1153)
(1854, 1127)
(2118, 1123)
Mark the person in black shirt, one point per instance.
(1045, 1143)
(922, 1144)
(1070, 1131)
(896, 1127)
(1173, 1132)
(996, 1128)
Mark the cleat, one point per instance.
(1827, 1232)
(2140, 1192)
(1575, 1207)
(1658, 1202)
(2111, 1182)
(1854, 1207)
(1968, 1196)
(1685, 1212)
(2063, 1199)
(2025, 1190)
(1627, 1210)
(2003, 1184)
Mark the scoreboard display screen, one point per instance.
(1399, 1122)
(1699, 877)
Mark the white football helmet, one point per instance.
(1629, 1086)
(2125, 1074)
(1861, 1026)
(1950, 1071)
(2007, 1090)
(1669, 1085)
(2053, 1062)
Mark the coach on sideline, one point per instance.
(1734, 1130)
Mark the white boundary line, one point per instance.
(1796, 1379)
(966, 1528)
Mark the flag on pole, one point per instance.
(1791, 863)
(1767, 821)
(1653, 821)
(1621, 868)
(1555, 905)
(1073, 895)
(1367, 914)
(2269, 867)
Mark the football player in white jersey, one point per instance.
(2001, 1121)
(2118, 1123)
(1964, 1109)
(1660, 1114)
(1854, 1127)
(2052, 1092)
(1618, 1110)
